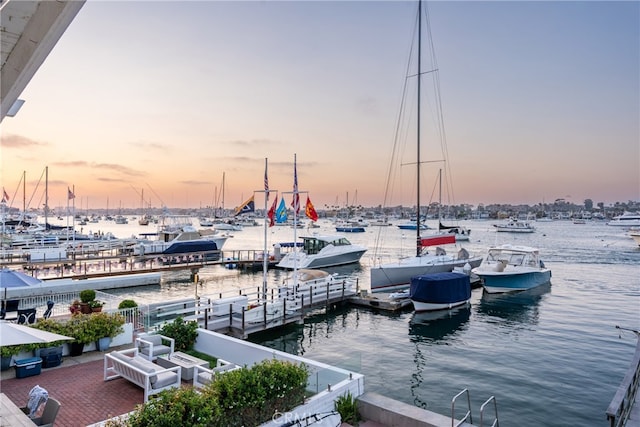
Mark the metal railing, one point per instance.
(61, 302)
(467, 415)
(620, 407)
(495, 411)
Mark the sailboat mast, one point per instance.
(265, 253)
(46, 199)
(24, 195)
(439, 198)
(418, 245)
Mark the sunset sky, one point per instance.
(540, 100)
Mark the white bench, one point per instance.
(151, 377)
(203, 376)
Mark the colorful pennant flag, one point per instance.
(246, 207)
(70, 194)
(281, 212)
(5, 196)
(272, 212)
(310, 211)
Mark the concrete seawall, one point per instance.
(392, 413)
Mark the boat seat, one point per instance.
(463, 254)
(27, 316)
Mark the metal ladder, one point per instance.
(467, 416)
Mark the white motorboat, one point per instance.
(509, 268)
(515, 225)
(323, 251)
(461, 232)
(182, 238)
(635, 235)
(627, 219)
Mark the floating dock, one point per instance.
(381, 301)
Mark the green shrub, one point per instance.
(243, 397)
(106, 324)
(177, 407)
(10, 350)
(87, 295)
(85, 328)
(184, 333)
(347, 407)
(250, 396)
(127, 303)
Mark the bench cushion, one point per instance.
(158, 349)
(164, 379)
(139, 363)
(204, 377)
(121, 356)
(153, 339)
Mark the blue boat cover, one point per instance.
(440, 288)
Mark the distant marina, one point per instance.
(553, 350)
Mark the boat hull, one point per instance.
(426, 306)
(500, 283)
(388, 277)
(350, 229)
(300, 260)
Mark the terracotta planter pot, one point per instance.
(84, 308)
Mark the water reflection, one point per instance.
(437, 325)
(426, 329)
(515, 307)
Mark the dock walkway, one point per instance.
(90, 266)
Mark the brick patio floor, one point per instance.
(79, 386)
(84, 396)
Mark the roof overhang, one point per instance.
(28, 32)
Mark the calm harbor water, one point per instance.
(551, 356)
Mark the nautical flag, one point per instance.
(70, 194)
(295, 203)
(246, 207)
(272, 212)
(281, 212)
(266, 182)
(310, 211)
(5, 196)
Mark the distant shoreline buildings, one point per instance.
(557, 210)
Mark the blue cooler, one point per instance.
(28, 367)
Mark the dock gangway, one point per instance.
(240, 313)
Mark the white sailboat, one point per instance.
(397, 275)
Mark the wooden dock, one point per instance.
(380, 301)
(87, 266)
(248, 312)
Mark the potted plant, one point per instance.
(75, 307)
(6, 354)
(106, 326)
(95, 306)
(86, 296)
(79, 328)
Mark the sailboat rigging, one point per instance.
(396, 275)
